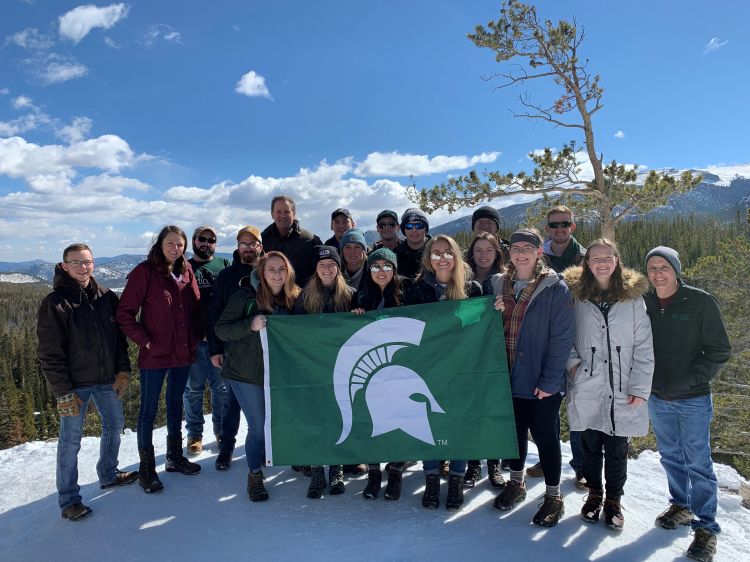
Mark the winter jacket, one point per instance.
(299, 303)
(690, 343)
(298, 246)
(227, 282)
(572, 256)
(170, 320)
(80, 343)
(243, 351)
(544, 339)
(615, 359)
(409, 261)
(205, 275)
(427, 289)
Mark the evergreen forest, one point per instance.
(715, 257)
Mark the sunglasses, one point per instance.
(414, 225)
(384, 268)
(386, 225)
(561, 224)
(204, 239)
(445, 255)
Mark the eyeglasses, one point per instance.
(445, 255)
(205, 239)
(414, 225)
(384, 268)
(522, 249)
(249, 244)
(387, 225)
(79, 263)
(560, 224)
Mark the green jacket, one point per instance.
(243, 353)
(690, 343)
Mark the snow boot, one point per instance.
(176, 461)
(613, 517)
(374, 479)
(256, 491)
(336, 479)
(673, 517)
(514, 493)
(703, 546)
(455, 498)
(550, 512)
(494, 473)
(535, 471)
(317, 483)
(592, 506)
(431, 495)
(472, 474)
(147, 477)
(393, 488)
(194, 445)
(75, 512)
(122, 478)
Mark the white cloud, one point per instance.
(78, 22)
(54, 68)
(160, 31)
(107, 183)
(4, 91)
(111, 43)
(714, 45)
(30, 39)
(254, 85)
(78, 130)
(32, 120)
(22, 102)
(619, 135)
(401, 165)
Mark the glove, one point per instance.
(69, 405)
(121, 384)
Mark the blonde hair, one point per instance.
(313, 294)
(265, 297)
(456, 288)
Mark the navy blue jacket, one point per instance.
(545, 338)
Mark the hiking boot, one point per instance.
(336, 480)
(374, 479)
(355, 469)
(223, 460)
(393, 488)
(194, 445)
(147, 477)
(581, 483)
(613, 517)
(78, 511)
(550, 512)
(535, 471)
(256, 491)
(674, 516)
(592, 506)
(317, 483)
(176, 461)
(514, 493)
(472, 474)
(122, 478)
(494, 473)
(505, 464)
(431, 495)
(444, 467)
(703, 546)
(455, 498)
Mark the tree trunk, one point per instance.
(605, 214)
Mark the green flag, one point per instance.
(424, 382)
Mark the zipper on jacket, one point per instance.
(619, 362)
(611, 378)
(591, 365)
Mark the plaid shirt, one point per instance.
(513, 315)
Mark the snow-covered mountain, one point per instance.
(19, 278)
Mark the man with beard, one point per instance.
(244, 260)
(387, 227)
(206, 268)
(415, 227)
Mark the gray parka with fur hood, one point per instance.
(615, 359)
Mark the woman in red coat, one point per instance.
(164, 290)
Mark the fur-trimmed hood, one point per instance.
(636, 284)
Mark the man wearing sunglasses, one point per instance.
(245, 258)
(415, 227)
(387, 225)
(206, 267)
(561, 250)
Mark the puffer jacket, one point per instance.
(427, 289)
(80, 343)
(615, 359)
(544, 339)
(170, 317)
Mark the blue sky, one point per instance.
(118, 118)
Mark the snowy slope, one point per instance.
(209, 517)
(19, 278)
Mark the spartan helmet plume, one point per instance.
(365, 361)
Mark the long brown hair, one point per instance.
(313, 294)
(156, 255)
(589, 289)
(265, 299)
(498, 264)
(456, 289)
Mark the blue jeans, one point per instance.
(69, 443)
(252, 401)
(230, 422)
(202, 371)
(576, 449)
(151, 382)
(683, 436)
(432, 467)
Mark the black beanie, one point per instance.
(485, 213)
(414, 215)
(326, 253)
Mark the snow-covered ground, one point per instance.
(18, 278)
(209, 517)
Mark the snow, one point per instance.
(208, 516)
(18, 278)
(728, 173)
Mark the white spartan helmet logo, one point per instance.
(365, 361)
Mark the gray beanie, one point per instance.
(353, 236)
(414, 215)
(669, 254)
(382, 254)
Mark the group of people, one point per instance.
(582, 331)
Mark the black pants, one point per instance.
(612, 450)
(539, 417)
